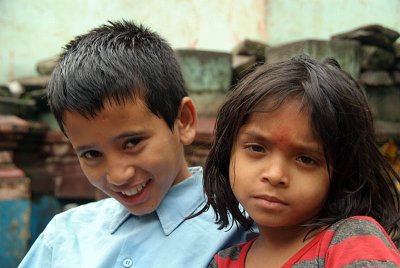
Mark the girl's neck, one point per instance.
(275, 246)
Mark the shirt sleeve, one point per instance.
(362, 242)
(232, 257)
(40, 253)
(213, 263)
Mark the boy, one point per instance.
(118, 95)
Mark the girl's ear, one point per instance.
(187, 121)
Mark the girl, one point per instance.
(295, 149)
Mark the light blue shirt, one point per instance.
(104, 234)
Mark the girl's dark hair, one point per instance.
(117, 62)
(362, 181)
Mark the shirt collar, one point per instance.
(182, 200)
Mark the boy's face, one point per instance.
(129, 153)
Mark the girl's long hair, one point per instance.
(362, 180)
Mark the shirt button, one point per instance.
(127, 262)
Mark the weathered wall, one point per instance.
(36, 30)
(293, 20)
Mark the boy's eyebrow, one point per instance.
(84, 148)
(308, 147)
(127, 134)
(114, 139)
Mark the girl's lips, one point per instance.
(269, 203)
(271, 199)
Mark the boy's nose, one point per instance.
(276, 172)
(120, 175)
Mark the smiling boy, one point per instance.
(119, 96)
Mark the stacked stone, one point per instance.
(246, 55)
(346, 52)
(61, 161)
(25, 140)
(13, 181)
(15, 209)
(196, 152)
(380, 75)
(46, 156)
(208, 76)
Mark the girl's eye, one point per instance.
(90, 155)
(306, 160)
(132, 143)
(255, 148)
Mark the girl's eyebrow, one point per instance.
(312, 147)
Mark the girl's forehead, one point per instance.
(273, 103)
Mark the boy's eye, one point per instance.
(90, 155)
(132, 143)
(306, 160)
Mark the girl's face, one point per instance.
(277, 170)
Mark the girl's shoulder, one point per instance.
(356, 226)
(359, 240)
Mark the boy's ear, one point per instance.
(187, 121)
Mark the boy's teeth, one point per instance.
(135, 190)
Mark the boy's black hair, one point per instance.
(362, 181)
(117, 62)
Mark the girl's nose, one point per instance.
(120, 174)
(276, 172)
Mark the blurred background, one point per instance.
(216, 41)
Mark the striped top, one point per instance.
(358, 241)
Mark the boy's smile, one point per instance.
(129, 153)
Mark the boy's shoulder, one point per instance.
(91, 209)
(101, 212)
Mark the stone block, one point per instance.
(384, 103)
(396, 77)
(46, 67)
(197, 152)
(207, 103)
(346, 52)
(205, 71)
(13, 185)
(6, 157)
(387, 130)
(71, 183)
(376, 78)
(241, 65)
(15, 106)
(375, 58)
(251, 48)
(375, 35)
(34, 82)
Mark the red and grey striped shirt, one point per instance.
(358, 241)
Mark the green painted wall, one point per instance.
(33, 30)
(293, 20)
